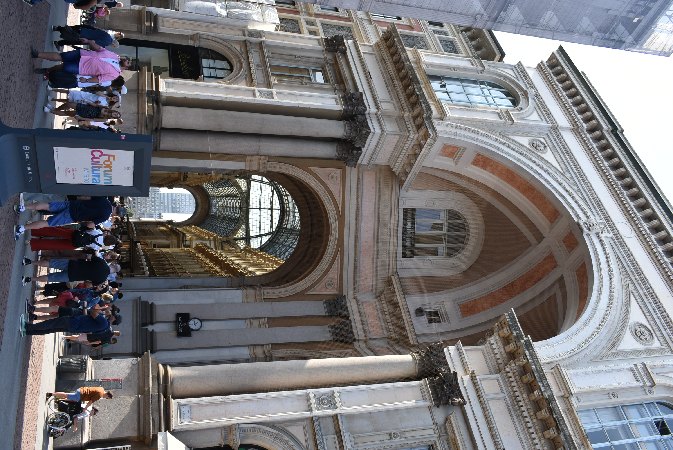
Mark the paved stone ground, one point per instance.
(21, 27)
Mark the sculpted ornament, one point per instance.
(539, 145)
(326, 402)
(593, 226)
(642, 333)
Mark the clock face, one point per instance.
(195, 324)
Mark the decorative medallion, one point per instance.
(538, 145)
(642, 333)
(325, 401)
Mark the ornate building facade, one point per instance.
(465, 254)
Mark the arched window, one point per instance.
(176, 61)
(433, 232)
(636, 426)
(254, 211)
(467, 92)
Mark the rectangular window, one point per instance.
(433, 232)
(640, 425)
(215, 68)
(433, 316)
(297, 74)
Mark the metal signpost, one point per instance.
(73, 162)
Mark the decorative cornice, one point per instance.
(521, 352)
(653, 226)
(411, 92)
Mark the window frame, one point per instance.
(313, 75)
(445, 233)
(439, 265)
(463, 92)
(635, 424)
(201, 54)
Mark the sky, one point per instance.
(637, 88)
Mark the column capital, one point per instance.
(335, 44)
(432, 365)
(430, 360)
(337, 306)
(348, 153)
(357, 130)
(353, 104)
(342, 331)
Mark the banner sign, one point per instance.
(182, 324)
(93, 166)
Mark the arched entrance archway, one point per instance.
(244, 226)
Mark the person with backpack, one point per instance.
(60, 238)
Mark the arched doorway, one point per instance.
(241, 226)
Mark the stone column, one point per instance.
(225, 379)
(246, 144)
(175, 117)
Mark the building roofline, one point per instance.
(617, 133)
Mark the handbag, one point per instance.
(69, 35)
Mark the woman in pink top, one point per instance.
(93, 66)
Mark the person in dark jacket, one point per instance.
(71, 35)
(94, 322)
(95, 270)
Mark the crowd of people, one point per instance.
(90, 77)
(79, 244)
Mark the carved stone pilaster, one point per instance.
(357, 130)
(348, 153)
(353, 104)
(335, 44)
(342, 331)
(336, 307)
